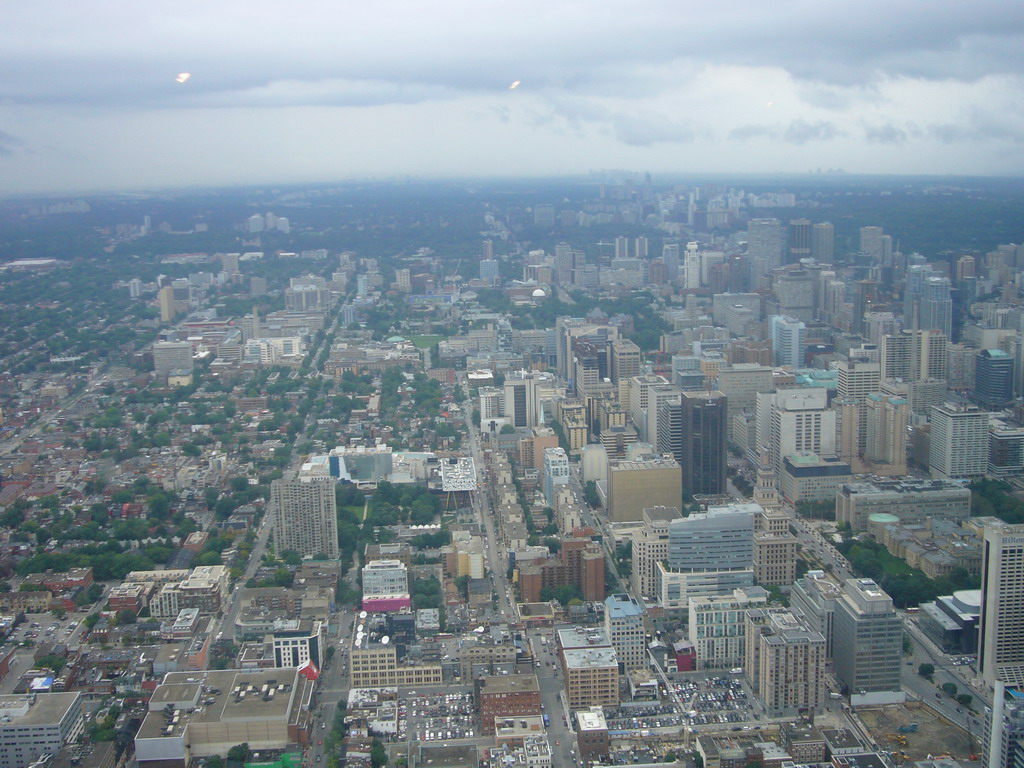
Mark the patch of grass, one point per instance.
(426, 341)
(893, 565)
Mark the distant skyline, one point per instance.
(91, 98)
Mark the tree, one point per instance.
(91, 620)
(215, 761)
(926, 670)
(378, 755)
(508, 429)
(949, 688)
(590, 494)
(126, 617)
(239, 753)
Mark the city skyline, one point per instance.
(166, 96)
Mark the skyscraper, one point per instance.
(799, 240)
(936, 306)
(867, 644)
(823, 242)
(959, 448)
(304, 515)
(521, 404)
(704, 443)
(993, 378)
(915, 355)
(1001, 638)
(789, 340)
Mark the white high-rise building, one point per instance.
(959, 445)
(691, 269)
(304, 515)
(795, 420)
(789, 340)
(1001, 637)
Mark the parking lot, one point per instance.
(436, 716)
(711, 701)
(43, 628)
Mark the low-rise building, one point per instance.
(910, 500)
(200, 715)
(506, 695)
(806, 476)
(33, 725)
(376, 665)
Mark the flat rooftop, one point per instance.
(510, 684)
(591, 658)
(47, 709)
(222, 696)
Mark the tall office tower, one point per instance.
(774, 547)
(766, 240)
(789, 340)
(793, 293)
(857, 380)
(640, 247)
(785, 662)
(936, 306)
(591, 366)
(965, 267)
(304, 515)
(704, 453)
(915, 355)
(522, 405)
(624, 625)
(913, 286)
(959, 445)
(993, 378)
(691, 267)
(487, 249)
(671, 429)
(670, 254)
(1001, 634)
(867, 639)
(823, 242)
(740, 384)
(799, 240)
(171, 356)
(886, 434)
(255, 223)
(625, 361)
(876, 245)
(621, 247)
(794, 420)
(567, 330)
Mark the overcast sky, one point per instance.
(323, 91)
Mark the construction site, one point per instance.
(914, 731)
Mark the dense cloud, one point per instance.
(633, 80)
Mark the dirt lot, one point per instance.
(934, 736)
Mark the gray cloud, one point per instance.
(744, 132)
(885, 134)
(797, 132)
(801, 132)
(289, 56)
